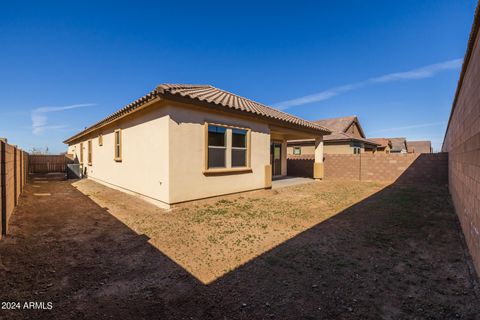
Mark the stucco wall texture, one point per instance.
(462, 141)
(163, 155)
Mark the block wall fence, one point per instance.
(13, 177)
(402, 168)
(462, 142)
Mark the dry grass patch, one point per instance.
(211, 237)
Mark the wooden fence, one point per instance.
(13, 177)
(48, 163)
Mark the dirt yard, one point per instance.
(319, 250)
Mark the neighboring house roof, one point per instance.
(382, 142)
(340, 124)
(341, 136)
(419, 146)
(208, 96)
(332, 138)
(398, 144)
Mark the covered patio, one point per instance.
(278, 150)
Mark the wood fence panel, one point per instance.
(48, 163)
(13, 177)
(3, 194)
(9, 185)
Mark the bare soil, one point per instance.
(323, 250)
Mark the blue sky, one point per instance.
(65, 65)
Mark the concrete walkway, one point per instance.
(290, 181)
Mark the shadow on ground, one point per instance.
(396, 255)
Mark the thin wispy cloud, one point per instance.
(39, 117)
(415, 126)
(415, 74)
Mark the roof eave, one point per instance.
(178, 98)
(135, 106)
(161, 94)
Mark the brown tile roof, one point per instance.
(398, 144)
(382, 142)
(341, 136)
(419, 146)
(337, 124)
(333, 137)
(208, 96)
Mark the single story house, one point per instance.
(347, 137)
(419, 146)
(185, 142)
(399, 145)
(384, 144)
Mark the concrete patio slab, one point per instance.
(290, 181)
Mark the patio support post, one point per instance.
(318, 164)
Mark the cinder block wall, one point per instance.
(13, 177)
(425, 168)
(462, 141)
(300, 166)
(402, 168)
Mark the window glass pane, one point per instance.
(89, 151)
(239, 138)
(216, 136)
(297, 150)
(216, 157)
(276, 152)
(239, 157)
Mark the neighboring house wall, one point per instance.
(383, 149)
(344, 148)
(462, 141)
(337, 148)
(310, 149)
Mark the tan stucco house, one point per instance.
(185, 142)
(347, 137)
